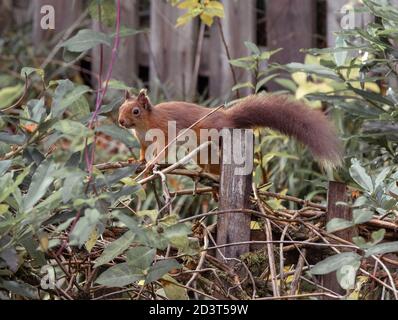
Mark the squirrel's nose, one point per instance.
(122, 122)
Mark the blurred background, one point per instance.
(166, 58)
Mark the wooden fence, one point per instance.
(166, 55)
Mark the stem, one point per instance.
(199, 47)
(103, 89)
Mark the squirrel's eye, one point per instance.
(136, 111)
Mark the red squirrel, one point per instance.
(278, 112)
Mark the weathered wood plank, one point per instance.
(171, 50)
(337, 193)
(235, 193)
(126, 66)
(239, 26)
(291, 25)
(66, 13)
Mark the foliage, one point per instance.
(207, 10)
(52, 205)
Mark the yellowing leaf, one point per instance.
(206, 19)
(92, 240)
(172, 290)
(9, 95)
(3, 208)
(188, 4)
(254, 225)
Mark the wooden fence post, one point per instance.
(235, 190)
(337, 193)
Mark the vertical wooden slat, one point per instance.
(337, 193)
(171, 50)
(126, 67)
(337, 17)
(239, 25)
(235, 193)
(66, 13)
(291, 25)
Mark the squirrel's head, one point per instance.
(135, 110)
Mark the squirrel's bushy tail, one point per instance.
(293, 118)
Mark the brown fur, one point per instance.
(281, 113)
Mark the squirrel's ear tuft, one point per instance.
(127, 95)
(143, 99)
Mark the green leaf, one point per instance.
(119, 276)
(362, 215)
(115, 248)
(313, 69)
(84, 227)
(372, 96)
(159, 269)
(346, 275)
(17, 139)
(140, 258)
(252, 47)
(9, 185)
(266, 55)
(72, 128)
(335, 262)
(360, 176)
(338, 224)
(4, 166)
(20, 288)
(340, 57)
(66, 95)
(172, 290)
(106, 8)
(242, 85)
(382, 248)
(382, 176)
(378, 236)
(119, 134)
(9, 95)
(118, 85)
(178, 235)
(262, 82)
(41, 181)
(28, 71)
(152, 214)
(86, 39)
